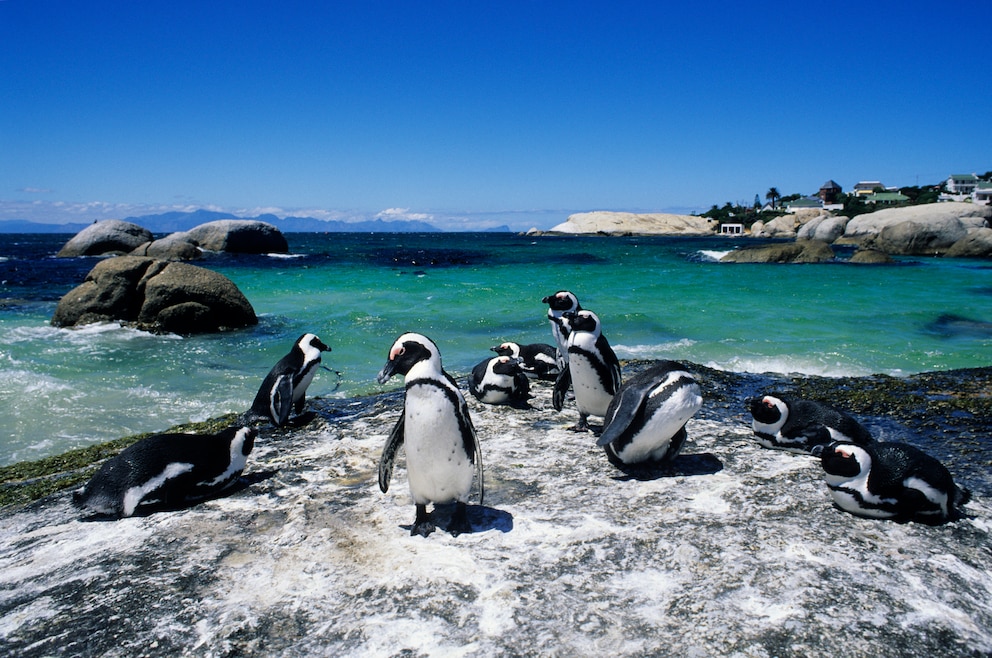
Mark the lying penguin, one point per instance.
(285, 387)
(890, 481)
(171, 469)
(442, 451)
(646, 419)
(500, 380)
(796, 425)
(537, 360)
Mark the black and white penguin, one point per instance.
(797, 425)
(646, 419)
(538, 360)
(559, 304)
(285, 387)
(890, 481)
(593, 366)
(442, 451)
(500, 380)
(171, 469)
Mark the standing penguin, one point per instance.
(538, 360)
(285, 386)
(594, 368)
(172, 469)
(559, 304)
(646, 418)
(890, 481)
(500, 380)
(442, 451)
(798, 425)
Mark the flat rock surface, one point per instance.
(733, 550)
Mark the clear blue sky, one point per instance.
(470, 114)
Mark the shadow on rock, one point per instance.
(480, 518)
(704, 463)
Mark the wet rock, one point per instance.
(731, 550)
(920, 239)
(155, 295)
(870, 257)
(801, 251)
(111, 236)
(977, 244)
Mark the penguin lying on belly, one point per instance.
(785, 423)
(500, 380)
(285, 387)
(890, 481)
(536, 359)
(442, 451)
(172, 469)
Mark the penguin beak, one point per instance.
(817, 450)
(387, 371)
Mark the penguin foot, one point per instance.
(423, 525)
(581, 426)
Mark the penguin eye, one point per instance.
(768, 404)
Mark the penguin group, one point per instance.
(645, 423)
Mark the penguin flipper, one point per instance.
(623, 410)
(562, 384)
(478, 470)
(393, 444)
(281, 400)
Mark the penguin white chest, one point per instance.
(438, 468)
(591, 396)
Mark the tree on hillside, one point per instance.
(772, 194)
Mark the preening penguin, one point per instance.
(173, 469)
(285, 387)
(500, 380)
(538, 360)
(799, 425)
(593, 366)
(442, 451)
(890, 481)
(646, 418)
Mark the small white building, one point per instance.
(731, 229)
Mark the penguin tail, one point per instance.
(79, 498)
(961, 496)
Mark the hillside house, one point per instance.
(961, 184)
(829, 192)
(866, 188)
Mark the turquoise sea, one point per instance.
(657, 297)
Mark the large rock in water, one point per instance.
(801, 251)
(175, 246)
(912, 238)
(977, 244)
(733, 550)
(643, 223)
(156, 296)
(110, 236)
(244, 236)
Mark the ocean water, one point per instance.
(657, 297)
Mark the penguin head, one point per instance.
(844, 460)
(507, 349)
(562, 301)
(505, 365)
(409, 350)
(310, 344)
(583, 321)
(769, 411)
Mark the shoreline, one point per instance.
(26, 481)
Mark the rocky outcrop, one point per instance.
(912, 238)
(175, 246)
(242, 236)
(157, 296)
(619, 223)
(969, 215)
(732, 550)
(110, 236)
(825, 228)
(801, 251)
(977, 244)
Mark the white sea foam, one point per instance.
(286, 256)
(712, 254)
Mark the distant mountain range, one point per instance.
(172, 222)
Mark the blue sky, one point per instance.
(474, 114)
